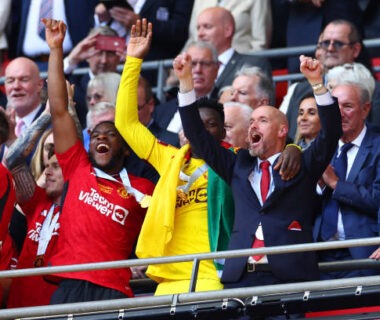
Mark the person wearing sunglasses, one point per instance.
(339, 43)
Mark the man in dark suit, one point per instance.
(284, 218)
(351, 198)
(98, 61)
(204, 70)
(170, 19)
(217, 26)
(78, 16)
(337, 31)
(306, 20)
(146, 106)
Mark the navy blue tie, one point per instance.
(330, 212)
(46, 12)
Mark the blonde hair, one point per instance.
(37, 165)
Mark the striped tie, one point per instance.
(46, 11)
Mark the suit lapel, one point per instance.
(145, 7)
(280, 185)
(361, 156)
(227, 70)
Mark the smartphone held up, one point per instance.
(110, 43)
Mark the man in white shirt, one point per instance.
(23, 87)
(352, 196)
(216, 25)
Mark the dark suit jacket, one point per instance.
(164, 112)
(306, 22)
(163, 134)
(80, 19)
(284, 205)
(80, 95)
(170, 20)
(359, 195)
(236, 62)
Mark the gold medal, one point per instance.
(145, 201)
(39, 261)
(182, 194)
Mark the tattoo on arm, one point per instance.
(24, 180)
(24, 145)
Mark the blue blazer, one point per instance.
(291, 203)
(359, 195)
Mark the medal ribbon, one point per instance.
(190, 180)
(127, 184)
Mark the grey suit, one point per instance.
(236, 62)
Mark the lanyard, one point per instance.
(140, 197)
(190, 179)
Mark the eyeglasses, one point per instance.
(202, 64)
(337, 45)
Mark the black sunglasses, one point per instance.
(337, 45)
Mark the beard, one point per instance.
(252, 153)
(116, 161)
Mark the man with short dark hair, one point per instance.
(104, 204)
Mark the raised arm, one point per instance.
(202, 142)
(127, 121)
(64, 129)
(19, 151)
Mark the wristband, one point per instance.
(317, 86)
(294, 145)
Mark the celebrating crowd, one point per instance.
(95, 168)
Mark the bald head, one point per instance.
(23, 85)
(22, 62)
(267, 132)
(217, 26)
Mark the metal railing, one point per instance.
(148, 302)
(163, 65)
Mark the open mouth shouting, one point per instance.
(255, 137)
(102, 148)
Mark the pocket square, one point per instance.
(295, 226)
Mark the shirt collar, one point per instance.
(28, 119)
(226, 56)
(271, 160)
(358, 140)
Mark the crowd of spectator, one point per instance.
(95, 168)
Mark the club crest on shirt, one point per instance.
(193, 196)
(122, 192)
